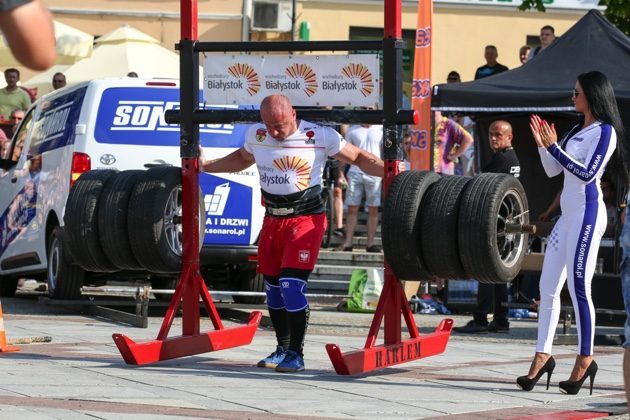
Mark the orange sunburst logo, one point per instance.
(361, 72)
(242, 70)
(306, 73)
(299, 166)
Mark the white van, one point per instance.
(114, 124)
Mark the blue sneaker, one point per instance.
(273, 359)
(292, 362)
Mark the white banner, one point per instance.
(308, 80)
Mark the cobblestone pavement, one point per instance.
(81, 375)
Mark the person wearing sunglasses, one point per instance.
(594, 144)
(453, 77)
(58, 81)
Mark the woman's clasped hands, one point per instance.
(544, 133)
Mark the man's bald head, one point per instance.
(500, 135)
(278, 115)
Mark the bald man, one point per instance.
(290, 156)
(504, 161)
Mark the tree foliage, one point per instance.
(617, 11)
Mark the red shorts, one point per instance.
(290, 242)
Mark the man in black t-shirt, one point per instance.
(504, 161)
(492, 66)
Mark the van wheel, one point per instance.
(490, 251)
(439, 216)
(8, 286)
(112, 219)
(81, 221)
(155, 227)
(249, 281)
(64, 279)
(401, 224)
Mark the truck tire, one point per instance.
(64, 279)
(489, 253)
(8, 286)
(439, 223)
(112, 219)
(154, 234)
(401, 224)
(81, 222)
(249, 281)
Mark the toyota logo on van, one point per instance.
(107, 159)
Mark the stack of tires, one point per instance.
(455, 227)
(129, 220)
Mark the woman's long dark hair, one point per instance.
(603, 106)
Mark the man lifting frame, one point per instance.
(392, 302)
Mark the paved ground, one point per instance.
(80, 375)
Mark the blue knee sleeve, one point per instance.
(293, 291)
(274, 296)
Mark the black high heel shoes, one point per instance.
(573, 387)
(527, 384)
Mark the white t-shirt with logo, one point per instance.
(297, 162)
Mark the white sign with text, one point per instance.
(308, 80)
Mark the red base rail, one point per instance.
(391, 305)
(377, 357)
(165, 348)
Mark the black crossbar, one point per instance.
(288, 46)
(342, 116)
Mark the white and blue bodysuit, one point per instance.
(572, 247)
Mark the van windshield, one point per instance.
(135, 115)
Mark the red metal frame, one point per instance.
(191, 285)
(392, 302)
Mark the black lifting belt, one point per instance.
(300, 203)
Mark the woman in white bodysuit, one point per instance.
(582, 154)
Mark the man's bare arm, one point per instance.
(236, 161)
(367, 162)
(30, 34)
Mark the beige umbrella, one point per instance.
(117, 53)
(72, 45)
(125, 33)
(122, 51)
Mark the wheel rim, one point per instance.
(173, 225)
(54, 259)
(510, 246)
(172, 216)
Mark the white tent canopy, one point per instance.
(117, 53)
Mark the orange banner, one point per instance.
(421, 89)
